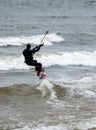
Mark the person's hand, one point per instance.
(41, 44)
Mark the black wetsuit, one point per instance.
(28, 54)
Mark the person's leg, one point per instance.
(37, 65)
(34, 62)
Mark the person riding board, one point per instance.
(29, 59)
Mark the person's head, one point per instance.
(28, 46)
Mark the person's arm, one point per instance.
(37, 48)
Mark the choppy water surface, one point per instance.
(66, 100)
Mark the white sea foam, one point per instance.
(44, 128)
(9, 63)
(84, 125)
(88, 124)
(48, 59)
(69, 58)
(18, 41)
(46, 88)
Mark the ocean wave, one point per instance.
(69, 58)
(54, 92)
(21, 40)
(19, 90)
(48, 59)
(44, 88)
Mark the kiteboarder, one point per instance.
(28, 54)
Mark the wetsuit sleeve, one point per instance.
(35, 49)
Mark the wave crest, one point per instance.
(21, 40)
(49, 59)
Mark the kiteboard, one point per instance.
(42, 74)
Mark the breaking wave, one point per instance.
(54, 95)
(52, 91)
(48, 59)
(21, 40)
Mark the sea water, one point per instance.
(66, 100)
